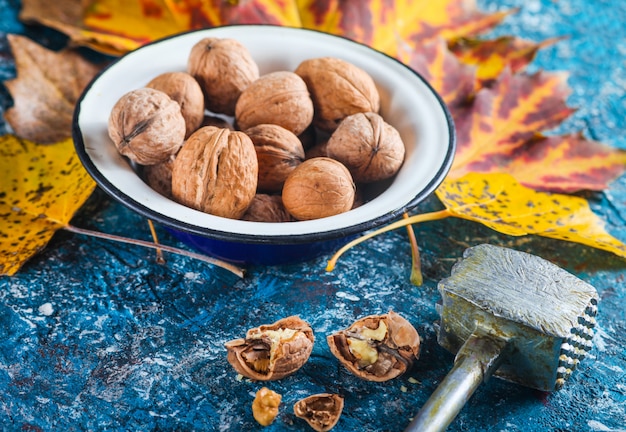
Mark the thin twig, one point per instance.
(232, 268)
(442, 214)
(159, 251)
(417, 278)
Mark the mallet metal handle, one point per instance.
(477, 359)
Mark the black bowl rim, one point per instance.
(125, 200)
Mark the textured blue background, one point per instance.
(94, 335)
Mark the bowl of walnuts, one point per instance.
(261, 144)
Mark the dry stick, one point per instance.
(425, 217)
(416, 263)
(159, 251)
(232, 268)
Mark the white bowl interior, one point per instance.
(407, 103)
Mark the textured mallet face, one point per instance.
(545, 312)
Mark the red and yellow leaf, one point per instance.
(503, 204)
(41, 189)
(492, 56)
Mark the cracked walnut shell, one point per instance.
(377, 347)
(146, 126)
(317, 188)
(320, 411)
(369, 147)
(273, 351)
(338, 89)
(224, 68)
(216, 172)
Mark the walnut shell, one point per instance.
(224, 68)
(267, 208)
(338, 89)
(280, 98)
(377, 347)
(318, 188)
(184, 89)
(146, 126)
(273, 351)
(159, 177)
(321, 411)
(278, 151)
(216, 172)
(369, 147)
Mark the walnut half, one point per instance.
(273, 351)
(320, 411)
(377, 347)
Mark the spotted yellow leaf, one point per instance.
(503, 204)
(41, 188)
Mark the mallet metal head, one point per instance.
(513, 315)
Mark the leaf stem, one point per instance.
(424, 217)
(416, 264)
(230, 267)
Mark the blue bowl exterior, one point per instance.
(260, 253)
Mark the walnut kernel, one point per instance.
(265, 406)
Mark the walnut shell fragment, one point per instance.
(320, 411)
(278, 151)
(265, 406)
(147, 126)
(338, 89)
(280, 98)
(224, 68)
(273, 351)
(317, 188)
(184, 89)
(369, 147)
(377, 347)
(216, 172)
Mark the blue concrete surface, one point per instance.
(96, 336)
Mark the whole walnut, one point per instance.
(146, 126)
(184, 89)
(369, 147)
(318, 188)
(267, 208)
(338, 89)
(278, 151)
(216, 172)
(159, 177)
(280, 98)
(224, 68)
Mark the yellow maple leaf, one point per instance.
(41, 189)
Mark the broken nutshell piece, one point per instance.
(320, 411)
(273, 351)
(377, 347)
(265, 406)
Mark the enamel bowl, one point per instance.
(407, 102)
